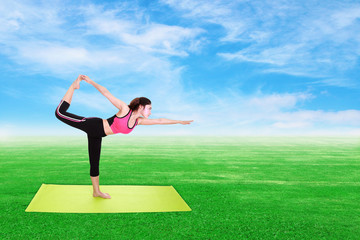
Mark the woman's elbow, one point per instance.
(104, 91)
(166, 121)
(160, 121)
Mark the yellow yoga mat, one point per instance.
(124, 199)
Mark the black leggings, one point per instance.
(92, 126)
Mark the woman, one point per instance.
(124, 121)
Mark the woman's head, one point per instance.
(141, 104)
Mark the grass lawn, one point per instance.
(237, 187)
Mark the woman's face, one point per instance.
(146, 112)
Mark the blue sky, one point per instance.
(234, 67)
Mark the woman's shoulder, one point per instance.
(123, 111)
(139, 120)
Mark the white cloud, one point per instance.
(296, 38)
(273, 114)
(46, 39)
(163, 39)
(341, 118)
(19, 18)
(277, 56)
(291, 125)
(52, 57)
(339, 82)
(204, 9)
(56, 46)
(215, 12)
(146, 36)
(345, 17)
(275, 102)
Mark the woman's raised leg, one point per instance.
(70, 91)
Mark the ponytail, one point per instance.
(136, 102)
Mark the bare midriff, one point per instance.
(107, 128)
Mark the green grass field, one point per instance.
(237, 187)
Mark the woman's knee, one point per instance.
(61, 109)
(94, 172)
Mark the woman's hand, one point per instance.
(186, 122)
(86, 78)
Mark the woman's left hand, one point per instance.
(186, 122)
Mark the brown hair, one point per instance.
(136, 102)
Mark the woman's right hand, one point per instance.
(85, 78)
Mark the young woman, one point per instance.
(124, 121)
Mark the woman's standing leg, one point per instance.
(94, 147)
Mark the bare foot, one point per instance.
(102, 195)
(76, 83)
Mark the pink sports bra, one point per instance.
(121, 124)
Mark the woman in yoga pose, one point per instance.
(124, 121)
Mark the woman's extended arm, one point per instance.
(162, 121)
(116, 102)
